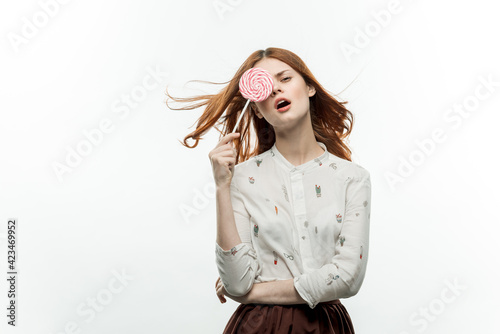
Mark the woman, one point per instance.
(293, 217)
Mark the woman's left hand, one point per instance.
(221, 292)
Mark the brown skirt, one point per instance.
(327, 317)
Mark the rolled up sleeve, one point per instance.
(239, 266)
(343, 277)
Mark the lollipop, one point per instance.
(256, 84)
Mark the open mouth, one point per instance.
(283, 105)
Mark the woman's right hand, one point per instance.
(223, 159)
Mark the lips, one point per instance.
(281, 102)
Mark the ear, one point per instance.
(312, 90)
(257, 112)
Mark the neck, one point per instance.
(298, 145)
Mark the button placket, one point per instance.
(299, 207)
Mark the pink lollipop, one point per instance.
(256, 84)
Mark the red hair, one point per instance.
(331, 121)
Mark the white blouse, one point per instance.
(308, 222)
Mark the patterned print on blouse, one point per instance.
(233, 251)
(331, 278)
(283, 187)
(319, 182)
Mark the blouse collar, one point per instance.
(305, 166)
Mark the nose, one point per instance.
(276, 88)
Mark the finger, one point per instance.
(220, 289)
(227, 138)
(221, 297)
(225, 151)
(227, 161)
(222, 151)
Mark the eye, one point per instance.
(286, 79)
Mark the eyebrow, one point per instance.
(280, 73)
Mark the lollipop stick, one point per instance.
(239, 119)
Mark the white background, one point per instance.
(120, 208)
